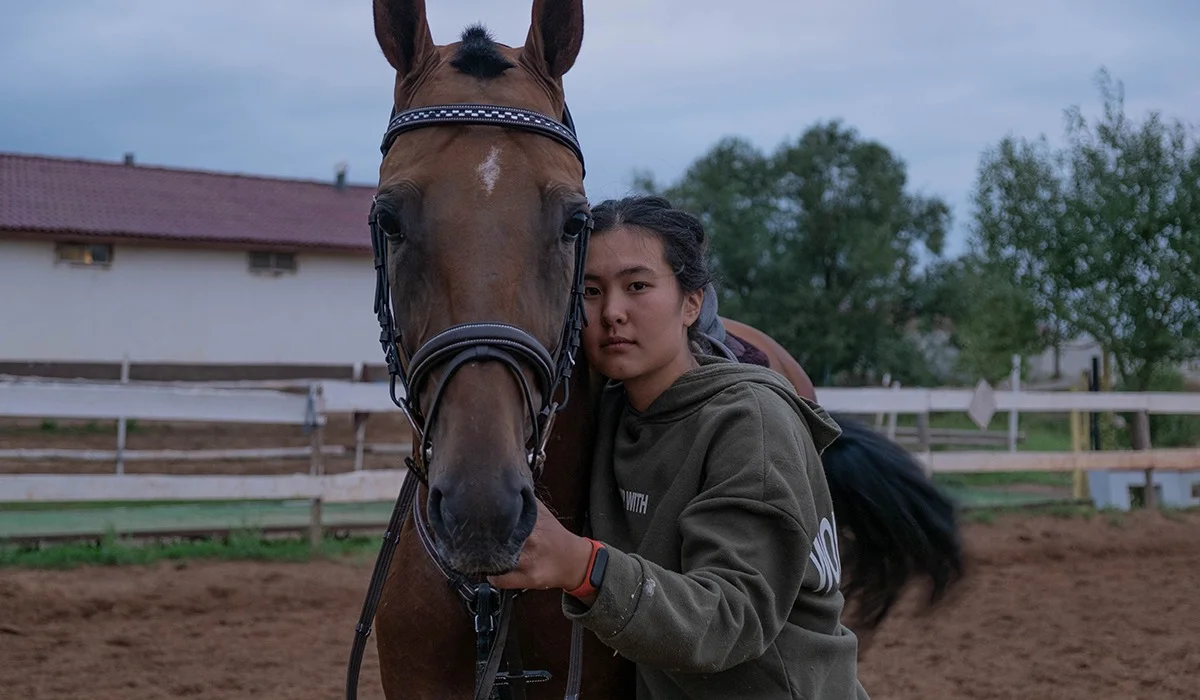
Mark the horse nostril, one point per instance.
(529, 511)
(434, 508)
(529, 504)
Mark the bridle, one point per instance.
(452, 349)
(472, 342)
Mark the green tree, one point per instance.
(994, 319)
(818, 244)
(1100, 238)
(1019, 249)
(1134, 220)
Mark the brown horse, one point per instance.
(480, 225)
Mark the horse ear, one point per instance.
(403, 33)
(555, 36)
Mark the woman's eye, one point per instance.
(637, 286)
(590, 292)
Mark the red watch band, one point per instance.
(586, 588)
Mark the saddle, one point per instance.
(743, 351)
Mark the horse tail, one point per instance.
(900, 526)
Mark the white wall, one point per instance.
(1075, 358)
(185, 305)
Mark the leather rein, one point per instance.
(491, 609)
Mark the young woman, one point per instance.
(713, 558)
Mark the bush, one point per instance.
(1167, 430)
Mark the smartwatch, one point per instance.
(597, 565)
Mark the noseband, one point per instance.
(452, 349)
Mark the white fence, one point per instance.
(174, 402)
(871, 400)
(180, 403)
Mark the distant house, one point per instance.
(1074, 358)
(169, 267)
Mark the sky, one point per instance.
(293, 87)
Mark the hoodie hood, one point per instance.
(715, 375)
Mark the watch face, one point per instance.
(598, 568)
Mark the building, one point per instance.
(185, 273)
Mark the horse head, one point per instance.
(480, 223)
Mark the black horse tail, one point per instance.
(894, 524)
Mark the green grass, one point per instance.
(1043, 432)
(243, 545)
(1001, 479)
(1085, 511)
(75, 427)
(1067, 511)
(240, 545)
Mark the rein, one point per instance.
(454, 347)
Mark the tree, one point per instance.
(994, 320)
(818, 244)
(1101, 237)
(1020, 250)
(1134, 219)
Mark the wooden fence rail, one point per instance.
(311, 409)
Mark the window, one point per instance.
(1137, 495)
(1196, 490)
(272, 263)
(90, 254)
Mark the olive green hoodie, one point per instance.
(722, 579)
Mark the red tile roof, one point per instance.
(55, 195)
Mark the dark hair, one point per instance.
(682, 235)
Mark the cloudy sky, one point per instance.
(292, 87)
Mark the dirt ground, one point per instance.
(1055, 608)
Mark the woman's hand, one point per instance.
(553, 557)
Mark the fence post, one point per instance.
(316, 464)
(1093, 416)
(1078, 428)
(360, 421)
(1141, 441)
(121, 425)
(887, 382)
(924, 444)
(891, 432)
(1013, 414)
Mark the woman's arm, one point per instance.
(744, 555)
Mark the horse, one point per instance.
(480, 227)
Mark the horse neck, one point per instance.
(564, 483)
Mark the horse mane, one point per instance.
(478, 56)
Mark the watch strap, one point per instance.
(594, 576)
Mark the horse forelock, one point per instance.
(478, 55)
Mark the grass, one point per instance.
(243, 545)
(1066, 511)
(239, 545)
(1001, 479)
(1043, 432)
(70, 427)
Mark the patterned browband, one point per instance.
(487, 115)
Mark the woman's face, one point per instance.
(637, 314)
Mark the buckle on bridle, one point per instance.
(485, 606)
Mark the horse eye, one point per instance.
(389, 226)
(575, 225)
